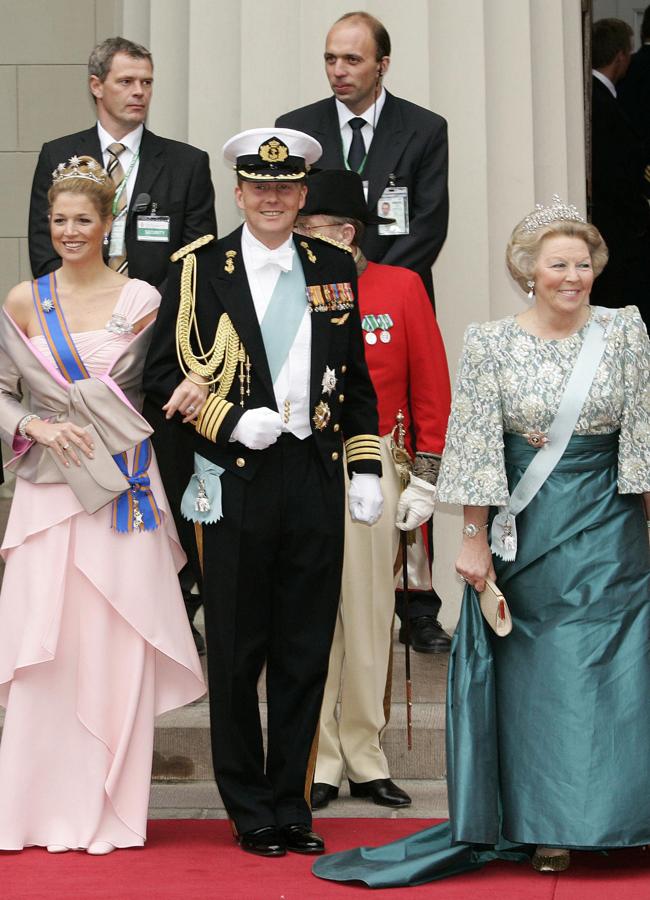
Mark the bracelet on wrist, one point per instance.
(471, 530)
(24, 422)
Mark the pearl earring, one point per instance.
(106, 239)
(531, 292)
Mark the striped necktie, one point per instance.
(115, 170)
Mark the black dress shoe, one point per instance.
(322, 793)
(301, 839)
(427, 635)
(381, 791)
(263, 841)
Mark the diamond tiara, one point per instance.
(80, 167)
(545, 215)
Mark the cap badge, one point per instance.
(273, 151)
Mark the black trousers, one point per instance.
(272, 577)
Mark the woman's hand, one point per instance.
(187, 399)
(474, 561)
(64, 438)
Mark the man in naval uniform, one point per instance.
(408, 366)
(271, 323)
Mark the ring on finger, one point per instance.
(65, 446)
(190, 408)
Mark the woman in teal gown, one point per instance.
(548, 735)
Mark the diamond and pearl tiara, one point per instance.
(545, 215)
(80, 167)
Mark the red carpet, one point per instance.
(198, 860)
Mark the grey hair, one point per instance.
(524, 247)
(101, 58)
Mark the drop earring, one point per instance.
(106, 239)
(531, 292)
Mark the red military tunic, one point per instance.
(410, 371)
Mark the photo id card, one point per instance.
(116, 247)
(394, 204)
(153, 228)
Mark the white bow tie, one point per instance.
(282, 257)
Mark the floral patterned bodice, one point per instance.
(511, 381)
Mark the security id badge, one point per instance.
(394, 204)
(153, 228)
(117, 246)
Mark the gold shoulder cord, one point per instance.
(227, 351)
(334, 243)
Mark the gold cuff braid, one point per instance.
(210, 419)
(363, 447)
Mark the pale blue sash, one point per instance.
(504, 529)
(283, 317)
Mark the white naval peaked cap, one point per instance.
(272, 154)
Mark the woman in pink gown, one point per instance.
(94, 639)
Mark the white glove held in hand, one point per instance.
(415, 505)
(365, 500)
(258, 428)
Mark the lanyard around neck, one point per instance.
(122, 184)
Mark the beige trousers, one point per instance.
(360, 653)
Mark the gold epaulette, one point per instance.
(188, 248)
(328, 240)
(363, 446)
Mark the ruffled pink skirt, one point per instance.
(94, 643)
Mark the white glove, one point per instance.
(258, 428)
(415, 505)
(365, 500)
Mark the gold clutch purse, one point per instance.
(495, 609)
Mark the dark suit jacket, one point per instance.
(634, 91)
(175, 175)
(339, 346)
(620, 210)
(410, 143)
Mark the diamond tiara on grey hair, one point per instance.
(80, 168)
(545, 215)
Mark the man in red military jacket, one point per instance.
(408, 367)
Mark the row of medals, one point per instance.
(370, 324)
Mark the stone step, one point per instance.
(201, 800)
(182, 740)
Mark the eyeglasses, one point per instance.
(314, 229)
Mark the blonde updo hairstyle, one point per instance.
(524, 247)
(84, 175)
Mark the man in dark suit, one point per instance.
(167, 200)
(289, 386)
(634, 89)
(620, 208)
(389, 142)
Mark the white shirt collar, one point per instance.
(249, 241)
(371, 115)
(605, 80)
(130, 140)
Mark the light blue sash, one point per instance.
(504, 529)
(283, 317)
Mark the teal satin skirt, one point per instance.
(548, 732)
